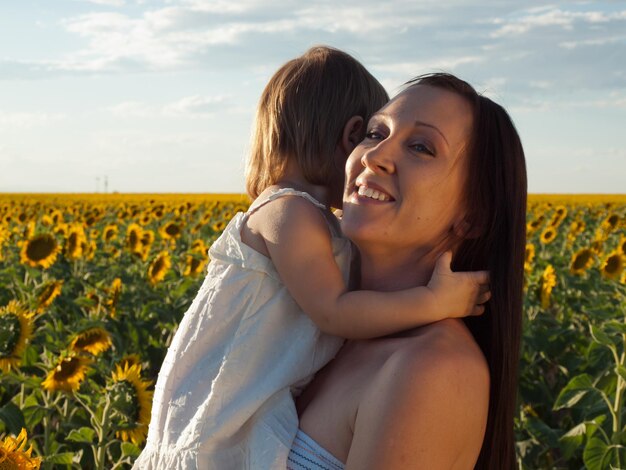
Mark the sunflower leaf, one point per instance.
(574, 391)
(130, 450)
(12, 417)
(82, 435)
(63, 458)
(601, 337)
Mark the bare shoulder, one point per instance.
(428, 403)
(290, 212)
(447, 349)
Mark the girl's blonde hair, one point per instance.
(302, 113)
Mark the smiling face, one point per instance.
(405, 181)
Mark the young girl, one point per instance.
(274, 307)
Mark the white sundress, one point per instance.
(223, 398)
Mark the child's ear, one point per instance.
(352, 134)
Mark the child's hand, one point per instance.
(458, 294)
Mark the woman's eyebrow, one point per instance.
(422, 123)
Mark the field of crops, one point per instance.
(92, 288)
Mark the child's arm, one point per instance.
(298, 241)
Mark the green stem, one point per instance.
(46, 424)
(100, 455)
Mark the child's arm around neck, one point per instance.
(294, 234)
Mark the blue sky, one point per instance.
(159, 96)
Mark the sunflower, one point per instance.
(147, 237)
(548, 235)
(133, 238)
(611, 222)
(219, 226)
(57, 216)
(533, 226)
(130, 360)
(548, 281)
(581, 261)
(50, 291)
(613, 265)
(195, 263)
(621, 245)
(68, 374)
(114, 291)
(576, 228)
(199, 246)
(29, 230)
(75, 242)
(558, 217)
(132, 403)
(61, 229)
(529, 256)
(40, 251)
(14, 456)
(109, 233)
(16, 330)
(46, 220)
(93, 340)
(159, 267)
(170, 231)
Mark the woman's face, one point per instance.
(404, 182)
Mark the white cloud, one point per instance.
(195, 106)
(552, 17)
(29, 119)
(110, 3)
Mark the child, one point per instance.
(223, 399)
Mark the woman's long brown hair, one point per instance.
(495, 196)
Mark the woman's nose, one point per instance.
(379, 159)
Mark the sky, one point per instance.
(159, 95)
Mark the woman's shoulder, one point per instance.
(430, 399)
(445, 350)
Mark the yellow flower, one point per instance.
(132, 403)
(195, 263)
(581, 261)
(56, 216)
(159, 267)
(40, 251)
(133, 238)
(50, 291)
(147, 238)
(16, 330)
(94, 341)
(548, 235)
(219, 226)
(115, 291)
(548, 281)
(621, 245)
(14, 456)
(75, 242)
(130, 360)
(612, 266)
(109, 233)
(529, 256)
(68, 374)
(170, 231)
(610, 222)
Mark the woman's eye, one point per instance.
(423, 148)
(373, 134)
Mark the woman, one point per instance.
(440, 396)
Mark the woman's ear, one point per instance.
(353, 133)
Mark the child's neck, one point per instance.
(293, 178)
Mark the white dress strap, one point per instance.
(260, 202)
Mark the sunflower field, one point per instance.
(92, 288)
